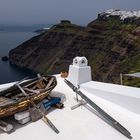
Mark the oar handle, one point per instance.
(46, 120)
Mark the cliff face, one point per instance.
(43, 52)
(111, 46)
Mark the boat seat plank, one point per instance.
(5, 101)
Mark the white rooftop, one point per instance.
(123, 14)
(133, 75)
(120, 102)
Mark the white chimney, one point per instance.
(79, 71)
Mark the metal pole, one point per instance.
(121, 78)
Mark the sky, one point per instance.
(29, 12)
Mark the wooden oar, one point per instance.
(110, 120)
(45, 119)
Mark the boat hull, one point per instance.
(25, 103)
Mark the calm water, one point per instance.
(9, 40)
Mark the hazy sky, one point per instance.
(51, 11)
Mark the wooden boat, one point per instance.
(12, 100)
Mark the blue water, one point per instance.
(8, 41)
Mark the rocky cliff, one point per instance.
(111, 46)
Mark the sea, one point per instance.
(9, 39)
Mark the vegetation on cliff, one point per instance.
(111, 46)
